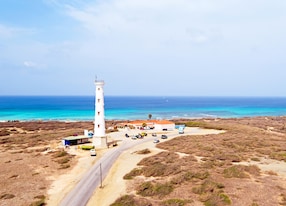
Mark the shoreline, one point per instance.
(128, 119)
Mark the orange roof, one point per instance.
(163, 122)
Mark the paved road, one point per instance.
(83, 191)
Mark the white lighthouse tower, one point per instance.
(99, 122)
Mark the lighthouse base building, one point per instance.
(99, 136)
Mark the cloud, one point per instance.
(6, 32)
(33, 65)
(10, 32)
(30, 64)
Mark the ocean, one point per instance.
(81, 108)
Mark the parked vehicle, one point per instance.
(143, 134)
(154, 135)
(156, 141)
(92, 152)
(181, 130)
(164, 136)
(126, 135)
(133, 137)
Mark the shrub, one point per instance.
(236, 171)
(225, 198)
(7, 196)
(144, 151)
(130, 200)
(175, 202)
(4, 132)
(40, 202)
(63, 160)
(154, 170)
(60, 154)
(64, 166)
(126, 200)
(208, 187)
(135, 172)
(159, 189)
(256, 159)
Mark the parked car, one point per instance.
(181, 130)
(156, 141)
(133, 137)
(164, 136)
(92, 152)
(154, 135)
(143, 134)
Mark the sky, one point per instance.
(143, 47)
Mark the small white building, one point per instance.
(160, 125)
(164, 125)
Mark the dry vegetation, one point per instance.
(25, 164)
(213, 170)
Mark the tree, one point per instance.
(149, 116)
(144, 124)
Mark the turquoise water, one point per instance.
(75, 108)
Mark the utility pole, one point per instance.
(100, 175)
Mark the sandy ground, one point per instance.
(113, 184)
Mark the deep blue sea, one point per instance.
(75, 108)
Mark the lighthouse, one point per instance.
(99, 122)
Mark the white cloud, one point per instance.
(30, 64)
(6, 32)
(10, 32)
(33, 65)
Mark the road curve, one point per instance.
(84, 189)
